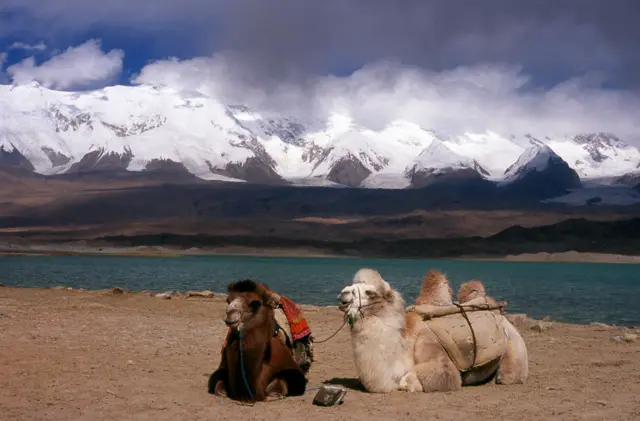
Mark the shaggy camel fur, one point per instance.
(396, 350)
(266, 366)
(435, 290)
(474, 289)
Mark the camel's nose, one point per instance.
(345, 299)
(232, 318)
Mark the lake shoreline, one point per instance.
(163, 251)
(177, 294)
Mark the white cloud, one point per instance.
(475, 98)
(83, 66)
(41, 46)
(218, 76)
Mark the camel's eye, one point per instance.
(371, 294)
(255, 305)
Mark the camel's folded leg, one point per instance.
(438, 375)
(216, 383)
(277, 387)
(514, 367)
(410, 383)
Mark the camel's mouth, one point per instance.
(344, 306)
(346, 299)
(233, 319)
(231, 323)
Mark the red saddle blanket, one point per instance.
(299, 326)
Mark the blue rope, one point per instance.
(244, 376)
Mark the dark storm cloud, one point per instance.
(551, 39)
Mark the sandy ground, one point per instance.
(74, 355)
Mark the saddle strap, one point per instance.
(473, 333)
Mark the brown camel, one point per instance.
(254, 364)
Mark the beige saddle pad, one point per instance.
(455, 334)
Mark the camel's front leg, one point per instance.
(220, 389)
(410, 383)
(216, 383)
(440, 375)
(435, 370)
(277, 388)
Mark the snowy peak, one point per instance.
(287, 129)
(438, 157)
(535, 158)
(600, 146)
(438, 163)
(597, 155)
(540, 172)
(601, 139)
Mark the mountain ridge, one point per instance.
(146, 128)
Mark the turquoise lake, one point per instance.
(571, 292)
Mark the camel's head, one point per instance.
(367, 295)
(249, 305)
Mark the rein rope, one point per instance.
(334, 333)
(244, 374)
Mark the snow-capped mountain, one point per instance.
(595, 155)
(536, 158)
(540, 171)
(437, 162)
(146, 128)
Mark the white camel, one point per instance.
(395, 349)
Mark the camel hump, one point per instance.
(470, 290)
(455, 335)
(435, 289)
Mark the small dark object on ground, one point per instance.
(330, 395)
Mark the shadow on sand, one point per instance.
(353, 384)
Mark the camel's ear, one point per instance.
(386, 292)
(371, 293)
(388, 295)
(271, 299)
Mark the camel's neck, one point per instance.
(254, 346)
(380, 350)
